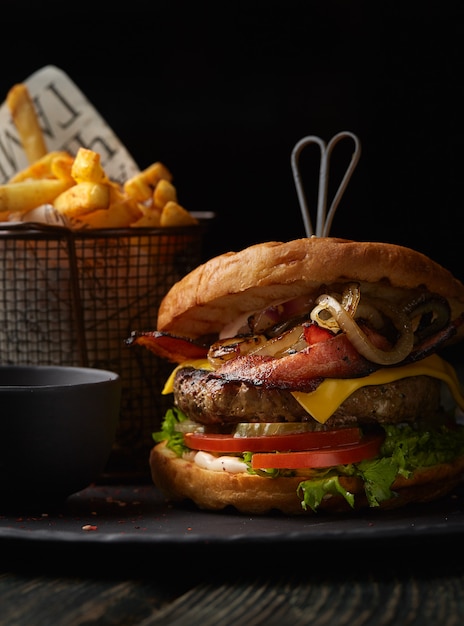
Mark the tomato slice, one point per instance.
(367, 448)
(271, 443)
(315, 334)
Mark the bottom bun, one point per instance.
(181, 480)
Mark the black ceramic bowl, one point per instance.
(57, 428)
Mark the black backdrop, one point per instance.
(222, 91)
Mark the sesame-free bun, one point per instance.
(232, 284)
(182, 480)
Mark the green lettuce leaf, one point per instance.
(168, 432)
(313, 491)
(404, 450)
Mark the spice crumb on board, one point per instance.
(89, 527)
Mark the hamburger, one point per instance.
(306, 378)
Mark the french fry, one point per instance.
(43, 167)
(133, 208)
(174, 214)
(151, 218)
(163, 193)
(61, 167)
(83, 198)
(119, 215)
(25, 119)
(138, 189)
(29, 194)
(141, 186)
(78, 186)
(121, 211)
(155, 172)
(87, 167)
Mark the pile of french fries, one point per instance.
(78, 187)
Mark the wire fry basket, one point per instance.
(72, 298)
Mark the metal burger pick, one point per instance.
(324, 218)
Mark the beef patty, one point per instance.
(210, 400)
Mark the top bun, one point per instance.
(205, 300)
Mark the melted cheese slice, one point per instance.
(200, 364)
(326, 399)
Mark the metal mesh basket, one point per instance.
(74, 297)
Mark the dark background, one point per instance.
(221, 92)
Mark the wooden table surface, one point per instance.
(415, 578)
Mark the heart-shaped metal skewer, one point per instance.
(324, 219)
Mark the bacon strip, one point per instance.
(302, 371)
(169, 347)
(334, 358)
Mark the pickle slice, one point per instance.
(263, 429)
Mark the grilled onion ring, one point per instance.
(358, 338)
